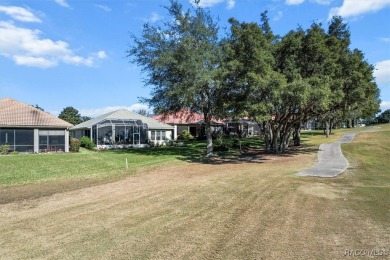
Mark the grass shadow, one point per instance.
(195, 151)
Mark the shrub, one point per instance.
(185, 136)
(87, 143)
(4, 149)
(74, 145)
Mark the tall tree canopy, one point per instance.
(182, 59)
(281, 82)
(70, 115)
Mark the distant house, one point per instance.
(123, 128)
(244, 127)
(28, 129)
(186, 120)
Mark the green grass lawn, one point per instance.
(35, 168)
(191, 210)
(369, 157)
(23, 169)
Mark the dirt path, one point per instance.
(195, 211)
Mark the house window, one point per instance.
(157, 135)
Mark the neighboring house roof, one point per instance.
(241, 121)
(121, 115)
(184, 117)
(14, 113)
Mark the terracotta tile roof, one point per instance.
(184, 117)
(15, 113)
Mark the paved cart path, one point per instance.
(331, 161)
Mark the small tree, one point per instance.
(70, 115)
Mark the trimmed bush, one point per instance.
(4, 149)
(74, 145)
(185, 136)
(87, 143)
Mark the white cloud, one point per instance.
(384, 39)
(230, 4)
(77, 60)
(382, 72)
(101, 55)
(104, 8)
(94, 112)
(20, 14)
(154, 18)
(210, 3)
(385, 105)
(26, 47)
(322, 2)
(62, 3)
(34, 61)
(352, 8)
(294, 2)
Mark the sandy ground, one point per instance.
(243, 210)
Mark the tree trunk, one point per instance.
(284, 142)
(327, 128)
(275, 142)
(297, 135)
(330, 126)
(209, 135)
(349, 123)
(267, 135)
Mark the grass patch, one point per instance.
(317, 137)
(32, 168)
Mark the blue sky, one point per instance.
(59, 53)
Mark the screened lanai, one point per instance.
(122, 128)
(120, 131)
(24, 128)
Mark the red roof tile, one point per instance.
(184, 117)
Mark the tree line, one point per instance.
(279, 81)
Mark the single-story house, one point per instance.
(186, 120)
(123, 128)
(28, 129)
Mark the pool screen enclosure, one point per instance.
(120, 132)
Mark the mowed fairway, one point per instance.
(235, 210)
